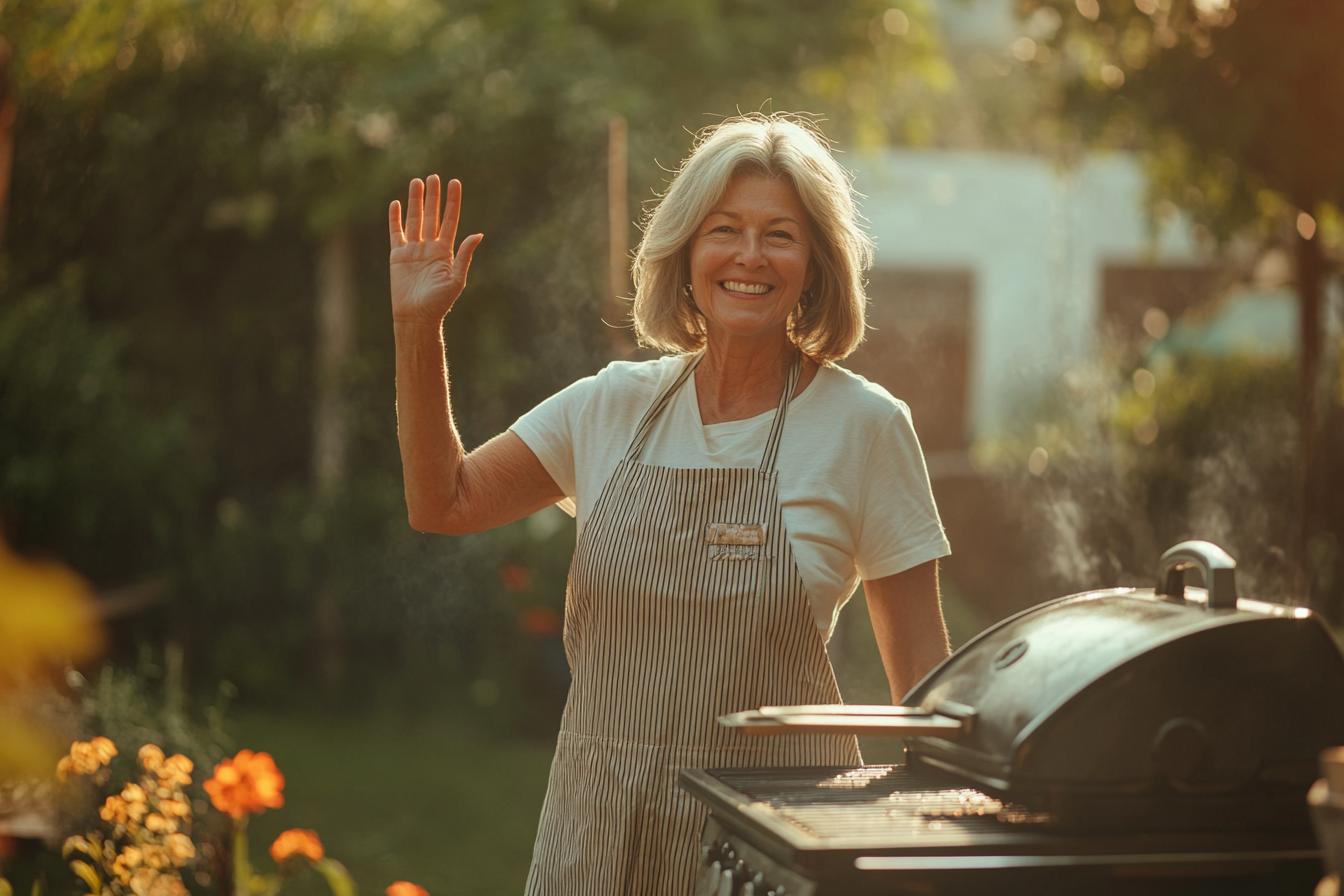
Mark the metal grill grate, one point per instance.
(875, 801)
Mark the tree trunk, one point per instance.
(334, 348)
(1310, 271)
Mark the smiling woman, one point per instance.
(729, 496)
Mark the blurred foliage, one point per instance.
(1236, 103)
(1129, 459)
(1238, 108)
(45, 622)
(178, 164)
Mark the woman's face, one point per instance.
(750, 259)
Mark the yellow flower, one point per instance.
(87, 758)
(160, 825)
(177, 769)
(125, 864)
(181, 848)
(46, 614)
(46, 620)
(158, 857)
(175, 807)
(114, 810)
(151, 757)
(142, 879)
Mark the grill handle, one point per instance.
(1217, 566)
(949, 720)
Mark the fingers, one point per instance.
(422, 213)
(464, 253)
(432, 207)
(452, 208)
(415, 211)
(394, 225)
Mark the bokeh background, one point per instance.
(1107, 285)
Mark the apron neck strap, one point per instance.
(646, 424)
(777, 428)
(771, 454)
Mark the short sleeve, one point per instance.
(898, 526)
(549, 430)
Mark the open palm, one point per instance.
(427, 275)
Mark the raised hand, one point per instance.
(427, 275)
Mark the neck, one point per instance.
(735, 381)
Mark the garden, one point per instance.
(228, 666)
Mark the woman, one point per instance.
(729, 496)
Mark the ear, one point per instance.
(811, 276)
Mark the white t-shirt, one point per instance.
(852, 482)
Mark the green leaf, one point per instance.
(88, 875)
(76, 842)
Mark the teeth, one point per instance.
(754, 289)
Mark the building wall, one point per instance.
(1032, 237)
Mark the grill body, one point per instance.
(901, 829)
(1118, 741)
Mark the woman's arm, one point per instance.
(447, 490)
(907, 616)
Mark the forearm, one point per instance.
(907, 617)
(431, 449)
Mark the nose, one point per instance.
(750, 251)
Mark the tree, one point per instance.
(1239, 108)
(211, 168)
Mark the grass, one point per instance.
(438, 803)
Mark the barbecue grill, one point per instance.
(1125, 740)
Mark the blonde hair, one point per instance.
(828, 322)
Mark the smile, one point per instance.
(754, 289)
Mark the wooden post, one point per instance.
(334, 348)
(615, 312)
(9, 111)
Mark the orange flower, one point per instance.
(406, 888)
(297, 842)
(246, 784)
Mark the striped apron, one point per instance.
(684, 604)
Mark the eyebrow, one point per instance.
(735, 216)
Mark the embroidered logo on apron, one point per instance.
(734, 541)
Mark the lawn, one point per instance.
(428, 800)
